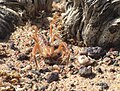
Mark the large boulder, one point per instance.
(13, 11)
(95, 22)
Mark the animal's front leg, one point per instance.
(33, 55)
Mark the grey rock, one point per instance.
(96, 23)
(22, 57)
(103, 86)
(54, 76)
(85, 71)
(95, 52)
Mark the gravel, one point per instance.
(54, 76)
(18, 73)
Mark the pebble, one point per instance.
(12, 45)
(103, 86)
(117, 58)
(4, 45)
(30, 76)
(99, 70)
(65, 76)
(95, 52)
(7, 88)
(83, 60)
(85, 71)
(3, 67)
(15, 75)
(22, 57)
(1, 82)
(71, 66)
(54, 76)
(20, 89)
(44, 70)
(14, 81)
(28, 50)
(116, 63)
(56, 67)
(112, 70)
(36, 72)
(50, 61)
(107, 60)
(83, 52)
(28, 67)
(72, 85)
(2, 61)
(73, 70)
(112, 54)
(113, 62)
(118, 76)
(34, 87)
(43, 88)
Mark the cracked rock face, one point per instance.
(13, 11)
(96, 22)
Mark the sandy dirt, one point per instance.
(18, 71)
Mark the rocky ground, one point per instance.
(88, 68)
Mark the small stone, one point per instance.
(22, 57)
(20, 89)
(75, 71)
(7, 88)
(44, 70)
(4, 67)
(72, 85)
(118, 76)
(43, 88)
(64, 76)
(34, 87)
(72, 69)
(12, 45)
(83, 60)
(14, 81)
(29, 76)
(95, 52)
(83, 51)
(28, 67)
(103, 85)
(112, 54)
(3, 45)
(71, 66)
(54, 76)
(56, 67)
(2, 61)
(116, 63)
(107, 60)
(28, 50)
(85, 71)
(1, 82)
(112, 62)
(2, 88)
(117, 58)
(14, 75)
(99, 70)
(50, 61)
(36, 72)
(112, 70)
